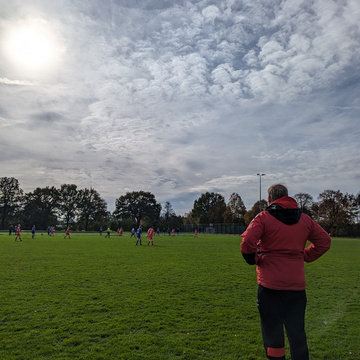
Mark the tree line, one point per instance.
(85, 209)
(336, 212)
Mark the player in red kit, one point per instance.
(150, 235)
(67, 233)
(18, 231)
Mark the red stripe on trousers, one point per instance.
(276, 352)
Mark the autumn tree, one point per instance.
(137, 205)
(10, 197)
(235, 210)
(188, 219)
(335, 209)
(249, 215)
(216, 212)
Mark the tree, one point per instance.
(209, 208)
(40, 206)
(335, 209)
(188, 219)
(254, 211)
(168, 213)
(10, 196)
(217, 211)
(169, 219)
(90, 206)
(67, 204)
(235, 210)
(356, 206)
(136, 205)
(305, 202)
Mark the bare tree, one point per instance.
(304, 201)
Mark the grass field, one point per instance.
(94, 298)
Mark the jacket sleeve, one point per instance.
(320, 243)
(250, 239)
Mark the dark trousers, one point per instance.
(279, 309)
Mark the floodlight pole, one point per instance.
(260, 175)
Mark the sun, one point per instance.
(31, 46)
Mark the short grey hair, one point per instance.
(277, 191)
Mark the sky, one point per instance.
(181, 97)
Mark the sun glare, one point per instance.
(31, 47)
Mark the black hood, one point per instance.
(286, 216)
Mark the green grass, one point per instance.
(184, 298)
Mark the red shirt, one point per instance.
(151, 233)
(280, 248)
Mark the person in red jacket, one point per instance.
(275, 241)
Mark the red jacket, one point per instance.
(278, 237)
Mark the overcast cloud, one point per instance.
(181, 97)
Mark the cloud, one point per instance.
(180, 98)
(6, 81)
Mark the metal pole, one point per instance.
(260, 175)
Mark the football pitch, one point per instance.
(89, 297)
